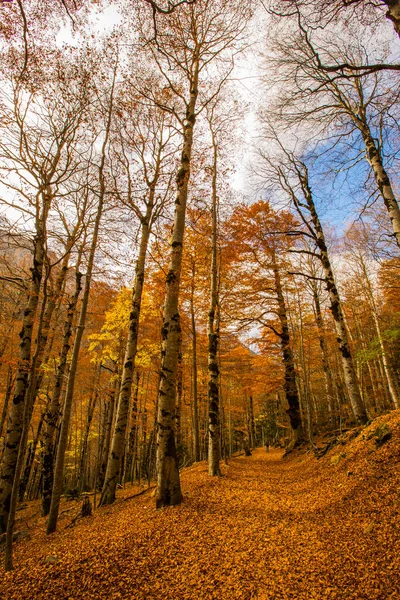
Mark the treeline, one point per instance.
(149, 317)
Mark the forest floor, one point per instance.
(269, 529)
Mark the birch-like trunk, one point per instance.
(214, 442)
(7, 396)
(324, 352)
(252, 429)
(82, 481)
(118, 441)
(381, 178)
(53, 411)
(195, 405)
(349, 371)
(108, 419)
(289, 386)
(179, 393)
(69, 393)
(18, 406)
(168, 482)
(50, 301)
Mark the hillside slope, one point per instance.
(270, 528)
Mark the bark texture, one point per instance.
(121, 422)
(195, 406)
(214, 441)
(289, 386)
(53, 410)
(350, 377)
(381, 177)
(168, 482)
(18, 405)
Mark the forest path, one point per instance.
(270, 528)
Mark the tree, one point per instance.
(339, 107)
(323, 12)
(51, 129)
(259, 234)
(189, 40)
(150, 142)
(59, 465)
(292, 176)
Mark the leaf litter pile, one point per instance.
(270, 528)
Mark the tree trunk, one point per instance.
(386, 366)
(16, 416)
(30, 456)
(108, 419)
(168, 483)
(118, 440)
(53, 411)
(336, 308)
(62, 444)
(289, 385)
(252, 429)
(381, 177)
(195, 405)
(179, 392)
(214, 442)
(84, 451)
(133, 433)
(324, 352)
(7, 396)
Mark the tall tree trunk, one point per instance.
(29, 459)
(374, 157)
(133, 433)
(214, 442)
(53, 411)
(336, 308)
(289, 385)
(324, 351)
(82, 481)
(118, 440)
(62, 444)
(50, 301)
(107, 425)
(252, 429)
(16, 416)
(195, 401)
(7, 396)
(179, 392)
(168, 482)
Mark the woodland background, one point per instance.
(236, 161)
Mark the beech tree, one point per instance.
(355, 244)
(101, 197)
(51, 129)
(149, 142)
(292, 176)
(187, 42)
(323, 12)
(339, 106)
(260, 238)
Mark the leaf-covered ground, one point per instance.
(270, 528)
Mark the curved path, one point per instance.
(269, 529)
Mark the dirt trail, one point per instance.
(270, 529)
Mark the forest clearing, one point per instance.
(270, 528)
